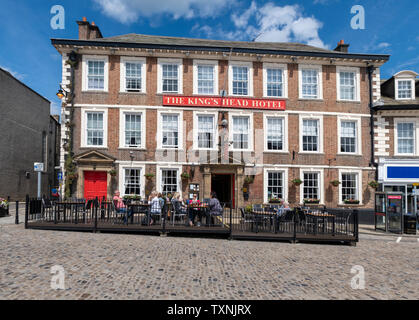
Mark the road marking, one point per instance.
(399, 239)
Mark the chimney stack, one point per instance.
(88, 31)
(342, 46)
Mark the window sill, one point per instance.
(279, 98)
(203, 149)
(132, 148)
(349, 101)
(350, 205)
(311, 152)
(93, 147)
(276, 151)
(169, 149)
(311, 99)
(133, 92)
(94, 91)
(349, 154)
(169, 93)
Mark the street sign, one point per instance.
(416, 184)
(60, 176)
(38, 166)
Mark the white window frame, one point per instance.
(358, 181)
(160, 128)
(284, 172)
(122, 113)
(83, 130)
(249, 66)
(318, 68)
(284, 69)
(415, 136)
(230, 120)
(396, 88)
(321, 183)
(358, 137)
(213, 63)
(195, 129)
(356, 70)
(159, 169)
(85, 69)
(128, 165)
(284, 128)
(123, 61)
(160, 62)
(311, 117)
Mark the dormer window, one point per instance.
(404, 89)
(404, 85)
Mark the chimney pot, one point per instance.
(84, 19)
(93, 23)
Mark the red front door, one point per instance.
(95, 184)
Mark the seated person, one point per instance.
(178, 205)
(155, 208)
(214, 206)
(120, 205)
(193, 212)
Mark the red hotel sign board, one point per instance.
(217, 102)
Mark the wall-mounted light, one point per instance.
(294, 59)
(187, 53)
(332, 61)
(224, 122)
(259, 57)
(62, 93)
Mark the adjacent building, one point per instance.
(396, 137)
(28, 135)
(245, 119)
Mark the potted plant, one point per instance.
(335, 183)
(248, 208)
(275, 200)
(248, 180)
(351, 201)
(184, 175)
(297, 181)
(4, 205)
(311, 201)
(112, 172)
(373, 184)
(149, 176)
(72, 176)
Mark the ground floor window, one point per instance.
(311, 185)
(132, 184)
(169, 183)
(349, 186)
(275, 185)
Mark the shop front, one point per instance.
(397, 199)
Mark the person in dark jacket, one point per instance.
(214, 207)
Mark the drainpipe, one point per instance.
(370, 70)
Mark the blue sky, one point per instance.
(25, 32)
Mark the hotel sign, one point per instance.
(218, 102)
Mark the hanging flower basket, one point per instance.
(297, 181)
(112, 172)
(373, 184)
(185, 176)
(335, 183)
(248, 180)
(275, 200)
(149, 176)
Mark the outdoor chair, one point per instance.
(119, 215)
(47, 208)
(156, 212)
(178, 212)
(219, 215)
(257, 207)
(246, 218)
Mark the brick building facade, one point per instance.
(125, 129)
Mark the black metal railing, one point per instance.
(96, 215)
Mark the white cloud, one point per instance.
(129, 11)
(271, 23)
(383, 45)
(15, 74)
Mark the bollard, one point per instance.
(17, 213)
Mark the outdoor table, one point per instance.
(260, 215)
(137, 207)
(323, 216)
(202, 209)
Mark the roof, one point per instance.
(133, 40)
(20, 82)
(391, 103)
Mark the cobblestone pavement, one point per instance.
(117, 266)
